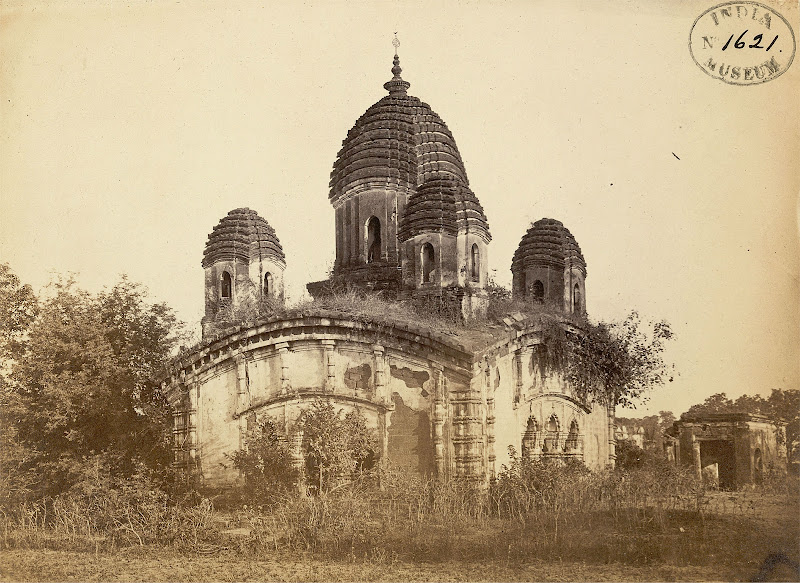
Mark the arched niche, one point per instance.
(226, 286)
(373, 239)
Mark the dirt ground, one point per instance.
(162, 565)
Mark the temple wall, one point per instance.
(438, 409)
(352, 215)
(523, 389)
(402, 386)
(464, 244)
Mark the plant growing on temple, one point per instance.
(265, 463)
(88, 389)
(337, 447)
(618, 363)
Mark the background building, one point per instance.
(730, 450)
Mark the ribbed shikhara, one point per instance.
(548, 242)
(401, 142)
(443, 205)
(242, 234)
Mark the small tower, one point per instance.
(244, 264)
(549, 268)
(445, 239)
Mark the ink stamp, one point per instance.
(742, 43)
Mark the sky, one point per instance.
(129, 129)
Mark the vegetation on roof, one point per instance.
(615, 363)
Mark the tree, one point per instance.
(630, 456)
(337, 447)
(666, 420)
(716, 403)
(265, 463)
(618, 363)
(88, 389)
(18, 309)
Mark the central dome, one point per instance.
(398, 179)
(400, 141)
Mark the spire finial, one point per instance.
(396, 86)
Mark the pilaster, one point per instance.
(439, 412)
(329, 361)
(283, 354)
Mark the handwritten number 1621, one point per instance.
(740, 44)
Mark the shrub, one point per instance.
(536, 484)
(337, 447)
(266, 464)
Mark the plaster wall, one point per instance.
(464, 244)
(352, 214)
(259, 268)
(522, 391)
(438, 410)
(406, 394)
(445, 257)
(241, 285)
(217, 430)
(574, 277)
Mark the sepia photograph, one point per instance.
(399, 291)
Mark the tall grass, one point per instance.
(533, 510)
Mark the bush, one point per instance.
(630, 456)
(337, 448)
(266, 464)
(534, 484)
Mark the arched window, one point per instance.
(529, 438)
(373, 240)
(427, 262)
(576, 300)
(475, 263)
(227, 287)
(551, 435)
(538, 291)
(268, 291)
(572, 436)
(522, 287)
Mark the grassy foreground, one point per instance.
(732, 538)
(539, 520)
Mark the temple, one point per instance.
(408, 227)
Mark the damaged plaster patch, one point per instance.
(412, 379)
(358, 378)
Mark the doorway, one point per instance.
(721, 453)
